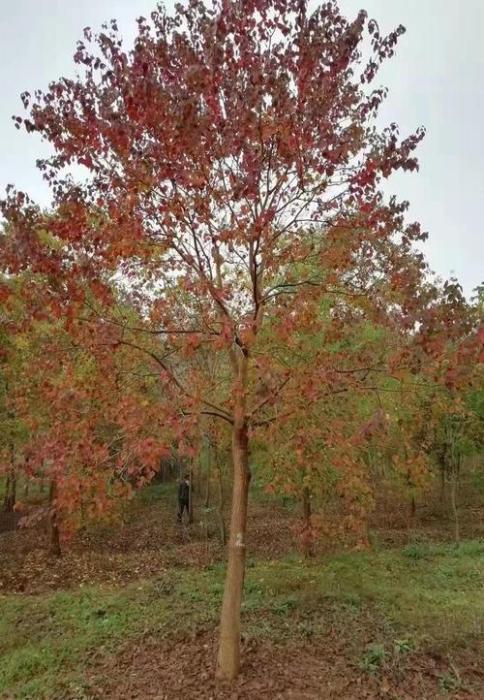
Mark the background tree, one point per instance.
(87, 424)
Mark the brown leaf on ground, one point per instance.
(309, 671)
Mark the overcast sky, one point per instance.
(436, 79)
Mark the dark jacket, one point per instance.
(184, 492)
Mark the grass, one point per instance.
(46, 640)
(42, 637)
(437, 598)
(156, 492)
(35, 492)
(421, 596)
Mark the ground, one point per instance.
(131, 611)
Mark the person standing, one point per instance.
(183, 497)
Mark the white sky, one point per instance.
(436, 79)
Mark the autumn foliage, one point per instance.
(218, 234)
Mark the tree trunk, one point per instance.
(207, 499)
(10, 492)
(190, 494)
(223, 535)
(413, 510)
(228, 662)
(442, 486)
(209, 471)
(10, 497)
(453, 503)
(307, 537)
(55, 547)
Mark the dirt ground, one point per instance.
(312, 671)
(149, 541)
(143, 544)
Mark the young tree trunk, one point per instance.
(207, 499)
(10, 493)
(413, 510)
(190, 494)
(453, 503)
(228, 662)
(82, 508)
(209, 471)
(307, 539)
(10, 497)
(223, 534)
(55, 547)
(442, 486)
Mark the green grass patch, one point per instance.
(44, 636)
(154, 493)
(27, 491)
(437, 596)
(432, 598)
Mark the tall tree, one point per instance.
(12, 427)
(233, 182)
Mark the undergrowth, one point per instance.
(420, 597)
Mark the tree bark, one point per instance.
(190, 494)
(55, 547)
(209, 471)
(413, 509)
(10, 493)
(307, 540)
(10, 497)
(453, 503)
(228, 662)
(442, 486)
(223, 534)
